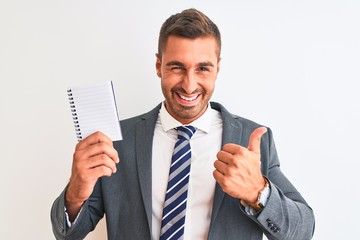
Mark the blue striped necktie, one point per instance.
(173, 221)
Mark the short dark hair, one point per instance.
(191, 24)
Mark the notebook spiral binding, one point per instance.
(74, 115)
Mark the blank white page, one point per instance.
(94, 109)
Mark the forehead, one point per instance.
(201, 49)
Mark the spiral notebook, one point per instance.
(93, 108)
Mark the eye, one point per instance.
(203, 69)
(177, 69)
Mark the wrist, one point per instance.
(261, 199)
(72, 206)
(257, 192)
(71, 198)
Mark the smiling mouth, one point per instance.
(188, 99)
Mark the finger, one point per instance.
(233, 148)
(100, 171)
(255, 139)
(93, 162)
(94, 138)
(220, 166)
(101, 148)
(218, 176)
(101, 160)
(224, 156)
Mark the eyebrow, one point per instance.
(206, 64)
(177, 63)
(201, 64)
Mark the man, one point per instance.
(234, 188)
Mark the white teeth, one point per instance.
(187, 98)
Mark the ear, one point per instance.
(158, 65)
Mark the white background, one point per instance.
(290, 65)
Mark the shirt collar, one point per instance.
(203, 122)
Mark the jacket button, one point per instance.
(270, 224)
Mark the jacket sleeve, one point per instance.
(286, 214)
(90, 214)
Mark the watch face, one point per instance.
(264, 197)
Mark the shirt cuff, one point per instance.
(69, 224)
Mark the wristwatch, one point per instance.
(262, 197)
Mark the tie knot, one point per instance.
(185, 132)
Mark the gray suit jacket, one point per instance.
(125, 197)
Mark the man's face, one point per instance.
(188, 69)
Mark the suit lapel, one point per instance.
(143, 144)
(232, 131)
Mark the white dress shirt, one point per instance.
(205, 144)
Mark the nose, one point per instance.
(189, 83)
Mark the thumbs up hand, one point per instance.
(237, 169)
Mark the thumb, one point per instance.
(255, 139)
